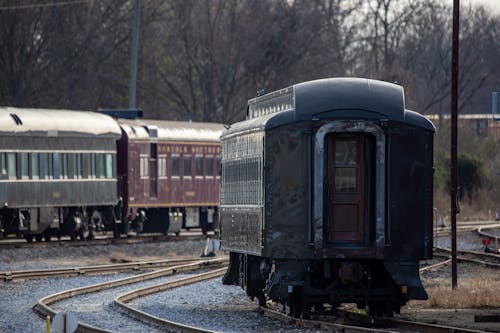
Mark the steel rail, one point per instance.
(384, 325)
(97, 269)
(43, 309)
(477, 257)
(124, 298)
(147, 238)
(320, 324)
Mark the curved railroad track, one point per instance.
(97, 269)
(43, 308)
(465, 226)
(481, 258)
(122, 300)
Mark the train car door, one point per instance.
(349, 159)
(153, 171)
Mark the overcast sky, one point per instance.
(493, 4)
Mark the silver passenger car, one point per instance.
(57, 172)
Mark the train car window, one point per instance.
(187, 167)
(198, 162)
(64, 166)
(78, 166)
(218, 169)
(345, 166)
(144, 166)
(42, 161)
(92, 168)
(109, 165)
(71, 165)
(209, 165)
(56, 165)
(11, 165)
(50, 166)
(176, 169)
(101, 166)
(162, 166)
(24, 166)
(34, 169)
(3, 166)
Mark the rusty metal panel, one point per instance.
(410, 193)
(240, 230)
(288, 192)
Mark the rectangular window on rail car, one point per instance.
(209, 165)
(162, 166)
(144, 166)
(176, 165)
(34, 169)
(198, 163)
(24, 165)
(71, 166)
(42, 162)
(64, 166)
(3, 166)
(218, 169)
(56, 168)
(187, 168)
(92, 167)
(78, 166)
(101, 165)
(11, 166)
(109, 166)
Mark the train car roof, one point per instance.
(53, 122)
(147, 129)
(343, 98)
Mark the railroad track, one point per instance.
(123, 299)
(466, 226)
(98, 269)
(151, 238)
(43, 309)
(363, 324)
(481, 258)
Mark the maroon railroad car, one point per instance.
(168, 174)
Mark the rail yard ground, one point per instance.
(478, 292)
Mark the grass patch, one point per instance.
(482, 291)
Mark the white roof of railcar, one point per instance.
(145, 129)
(53, 122)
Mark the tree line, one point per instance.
(201, 60)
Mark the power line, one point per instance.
(53, 4)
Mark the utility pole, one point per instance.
(133, 56)
(454, 116)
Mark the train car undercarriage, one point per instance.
(306, 286)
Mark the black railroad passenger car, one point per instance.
(327, 197)
(57, 172)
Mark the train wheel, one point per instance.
(262, 300)
(29, 238)
(377, 309)
(39, 237)
(293, 305)
(47, 236)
